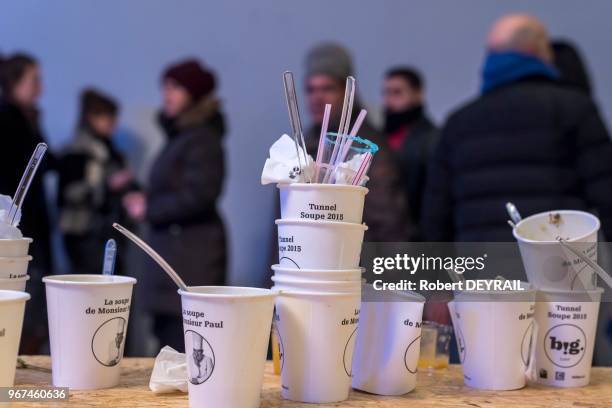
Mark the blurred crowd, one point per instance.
(533, 135)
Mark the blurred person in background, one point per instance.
(574, 73)
(527, 138)
(94, 177)
(386, 209)
(180, 203)
(20, 90)
(410, 133)
(570, 65)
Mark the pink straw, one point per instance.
(362, 169)
(324, 127)
(347, 146)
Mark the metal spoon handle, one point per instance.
(156, 257)
(598, 269)
(110, 255)
(294, 118)
(26, 181)
(515, 216)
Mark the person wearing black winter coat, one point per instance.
(20, 131)
(527, 139)
(180, 204)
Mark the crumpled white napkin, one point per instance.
(283, 162)
(7, 231)
(169, 372)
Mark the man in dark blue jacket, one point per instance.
(527, 139)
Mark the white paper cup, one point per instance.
(319, 244)
(316, 286)
(14, 247)
(550, 266)
(12, 307)
(226, 338)
(494, 336)
(88, 317)
(322, 202)
(18, 284)
(318, 274)
(316, 334)
(567, 324)
(388, 344)
(14, 267)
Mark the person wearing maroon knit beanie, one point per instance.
(180, 204)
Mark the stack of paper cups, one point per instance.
(320, 234)
(568, 297)
(14, 260)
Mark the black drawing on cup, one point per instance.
(200, 357)
(587, 268)
(108, 341)
(347, 357)
(281, 346)
(291, 261)
(411, 348)
(565, 345)
(527, 344)
(460, 344)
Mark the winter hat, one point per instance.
(191, 75)
(329, 59)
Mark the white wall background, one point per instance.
(121, 46)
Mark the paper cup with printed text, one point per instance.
(550, 266)
(319, 244)
(88, 318)
(12, 307)
(322, 202)
(567, 323)
(316, 286)
(388, 342)
(14, 267)
(316, 335)
(227, 330)
(18, 284)
(494, 332)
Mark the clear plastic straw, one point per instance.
(26, 181)
(296, 123)
(347, 107)
(322, 136)
(156, 257)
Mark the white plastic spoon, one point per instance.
(110, 255)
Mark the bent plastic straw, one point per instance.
(156, 257)
(322, 136)
(363, 169)
(110, 255)
(349, 142)
(347, 107)
(26, 181)
(598, 269)
(296, 123)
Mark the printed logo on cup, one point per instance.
(347, 358)
(200, 357)
(526, 344)
(285, 260)
(409, 354)
(108, 341)
(460, 344)
(565, 345)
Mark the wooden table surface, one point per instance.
(443, 388)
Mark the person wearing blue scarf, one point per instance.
(505, 67)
